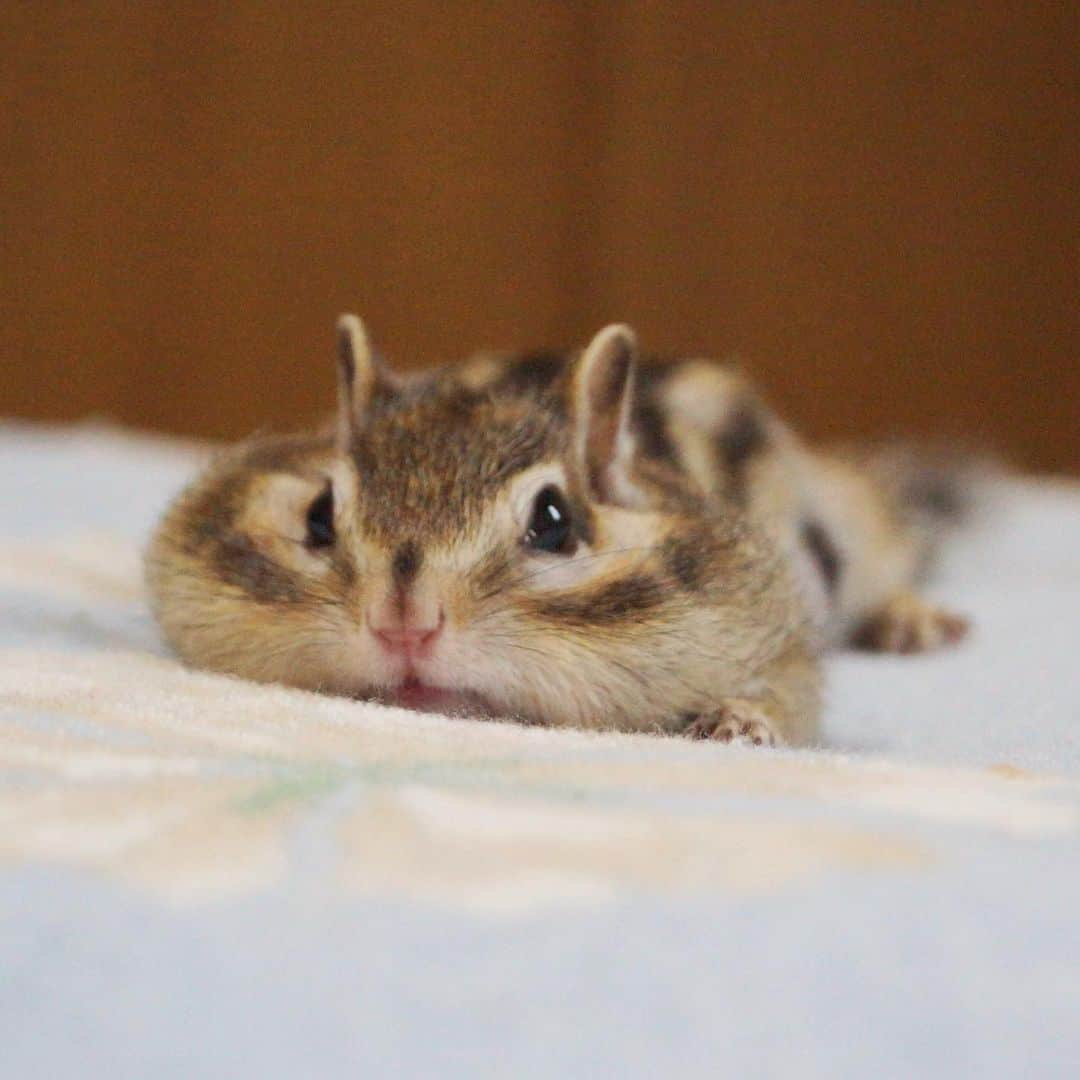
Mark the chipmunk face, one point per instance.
(455, 548)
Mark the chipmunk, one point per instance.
(589, 540)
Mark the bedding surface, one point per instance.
(201, 876)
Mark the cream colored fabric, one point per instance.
(193, 785)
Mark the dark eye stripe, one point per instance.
(239, 563)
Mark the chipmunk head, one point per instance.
(455, 547)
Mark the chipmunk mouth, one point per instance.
(423, 697)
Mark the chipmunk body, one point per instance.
(586, 540)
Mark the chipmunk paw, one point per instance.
(910, 624)
(736, 721)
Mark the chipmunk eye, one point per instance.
(320, 520)
(550, 526)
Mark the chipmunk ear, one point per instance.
(359, 377)
(601, 397)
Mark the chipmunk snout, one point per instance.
(402, 629)
(409, 617)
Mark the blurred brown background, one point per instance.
(873, 203)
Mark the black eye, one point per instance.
(550, 526)
(320, 520)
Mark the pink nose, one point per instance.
(407, 639)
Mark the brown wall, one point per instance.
(875, 204)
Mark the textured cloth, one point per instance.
(202, 876)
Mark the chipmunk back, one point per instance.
(585, 540)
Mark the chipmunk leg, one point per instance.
(784, 711)
(907, 623)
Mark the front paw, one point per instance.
(735, 721)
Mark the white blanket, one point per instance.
(201, 876)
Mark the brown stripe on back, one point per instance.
(618, 601)
(820, 545)
(742, 439)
